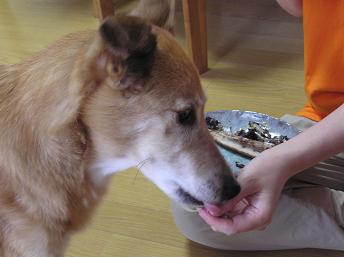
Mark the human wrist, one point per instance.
(280, 162)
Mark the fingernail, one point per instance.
(211, 213)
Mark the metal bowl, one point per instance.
(235, 120)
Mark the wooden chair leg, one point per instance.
(196, 32)
(103, 8)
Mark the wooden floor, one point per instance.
(256, 63)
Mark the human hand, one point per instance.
(263, 178)
(293, 7)
(261, 183)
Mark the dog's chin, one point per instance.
(188, 202)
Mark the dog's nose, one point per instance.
(231, 188)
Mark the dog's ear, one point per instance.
(128, 53)
(159, 12)
(121, 56)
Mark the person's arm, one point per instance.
(293, 7)
(263, 178)
(316, 144)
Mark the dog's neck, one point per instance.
(34, 153)
(39, 113)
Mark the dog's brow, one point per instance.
(182, 104)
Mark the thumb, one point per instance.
(219, 210)
(230, 205)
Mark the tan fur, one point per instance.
(63, 109)
(158, 12)
(42, 151)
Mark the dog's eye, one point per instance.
(187, 117)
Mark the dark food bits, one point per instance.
(260, 132)
(213, 124)
(239, 165)
(255, 131)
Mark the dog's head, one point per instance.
(147, 111)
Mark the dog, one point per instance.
(90, 105)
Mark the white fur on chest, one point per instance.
(104, 168)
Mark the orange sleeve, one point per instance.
(323, 22)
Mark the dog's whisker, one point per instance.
(207, 85)
(134, 180)
(139, 167)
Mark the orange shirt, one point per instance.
(323, 22)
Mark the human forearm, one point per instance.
(318, 143)
(262, 180)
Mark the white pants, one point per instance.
(309, 213)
